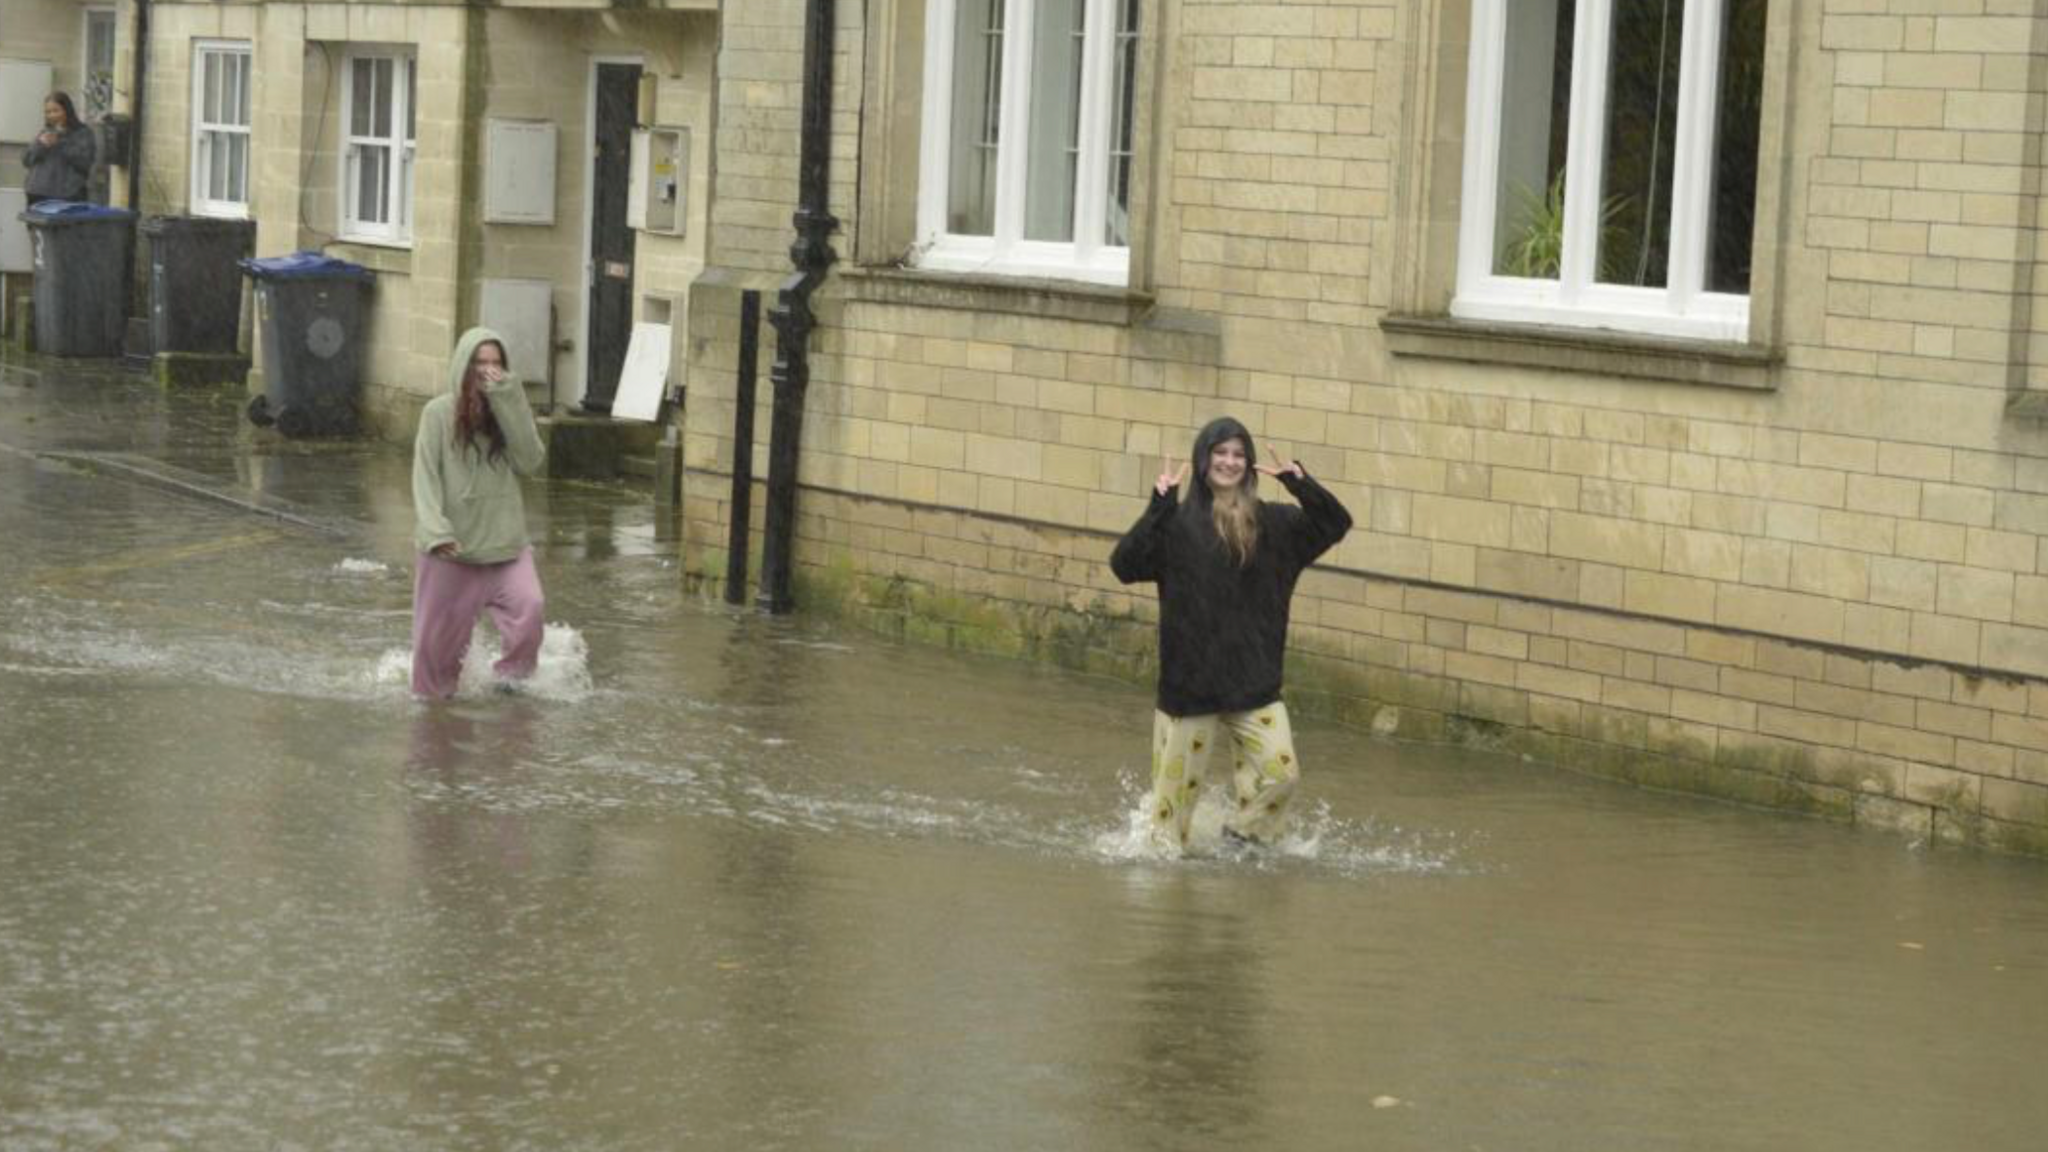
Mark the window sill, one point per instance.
(972, 292)
(1584, 351)
(2028, 404)
(376, 256)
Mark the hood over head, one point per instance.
(458, 360)
(1213, 433)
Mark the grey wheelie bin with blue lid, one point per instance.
(311, 311)
(81, 265)
(195, 287)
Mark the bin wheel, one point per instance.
(259, 412)
(295, 421)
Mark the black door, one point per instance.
(611, 242)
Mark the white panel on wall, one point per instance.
(15, 253)
(522, 311)
(23, 84)
(519, 172)
(644, 374)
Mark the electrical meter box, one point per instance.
(519, 172)
(656, 198)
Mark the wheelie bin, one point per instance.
(311, 310)
(81, 268)
(195, 285)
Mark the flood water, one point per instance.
(731, 883)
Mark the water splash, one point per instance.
(355, 567)
(1317, 839)
(562, 675)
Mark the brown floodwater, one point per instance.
(725, 882)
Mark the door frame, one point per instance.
(590, 207)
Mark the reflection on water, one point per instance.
(731, 882)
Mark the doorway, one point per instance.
(615, 98)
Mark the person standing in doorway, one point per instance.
(1226, 563)
(474, 443)
(59, 159)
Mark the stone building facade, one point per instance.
(1685, 373)
(366, 133)
(1766, 523)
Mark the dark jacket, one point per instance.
(1223, 628)
(62, 169)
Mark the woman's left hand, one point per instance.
(1286, 467)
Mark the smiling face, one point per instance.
(1227, 465)
(53, 115)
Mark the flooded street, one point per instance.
(726, 882)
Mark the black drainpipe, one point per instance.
(135, 102)
(134, 156)
(811, 254)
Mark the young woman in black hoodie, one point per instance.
(1226, 563)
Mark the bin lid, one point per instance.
(303, 266)
(163, 225)
(58, 212)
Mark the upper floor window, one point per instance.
(1610, 164)
(1029, 108)
(220, 128)
(377, 142)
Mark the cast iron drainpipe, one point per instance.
(811, 254)
(135, 102)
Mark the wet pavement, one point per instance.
(726, 882)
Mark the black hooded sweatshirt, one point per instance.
(1223, 628)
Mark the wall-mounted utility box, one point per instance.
(519, 172)
(522, 311)
(656, 197)
(16, 255)
(23, 84)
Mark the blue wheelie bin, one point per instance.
(81, 262)
(311, 311)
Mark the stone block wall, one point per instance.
(1825, 588)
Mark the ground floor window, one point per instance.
(220, 128)
(1611, 163)
(377, 142)
(1029, 112)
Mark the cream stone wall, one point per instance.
(537, 65)
(51, 31)
(522, 61)
(1829, 592)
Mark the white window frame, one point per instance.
(1006, 252)
(1682, 309)
(203, 204)
(397, 231)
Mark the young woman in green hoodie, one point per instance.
(474, 443)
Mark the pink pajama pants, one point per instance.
(446, 597)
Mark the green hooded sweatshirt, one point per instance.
(459, 494)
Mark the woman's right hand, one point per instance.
(1168, 481)
(447, 551)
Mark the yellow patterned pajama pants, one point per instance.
(1263, 770)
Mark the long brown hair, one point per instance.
(63, 100)
(473, 416)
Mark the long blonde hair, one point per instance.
(1235, 512)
